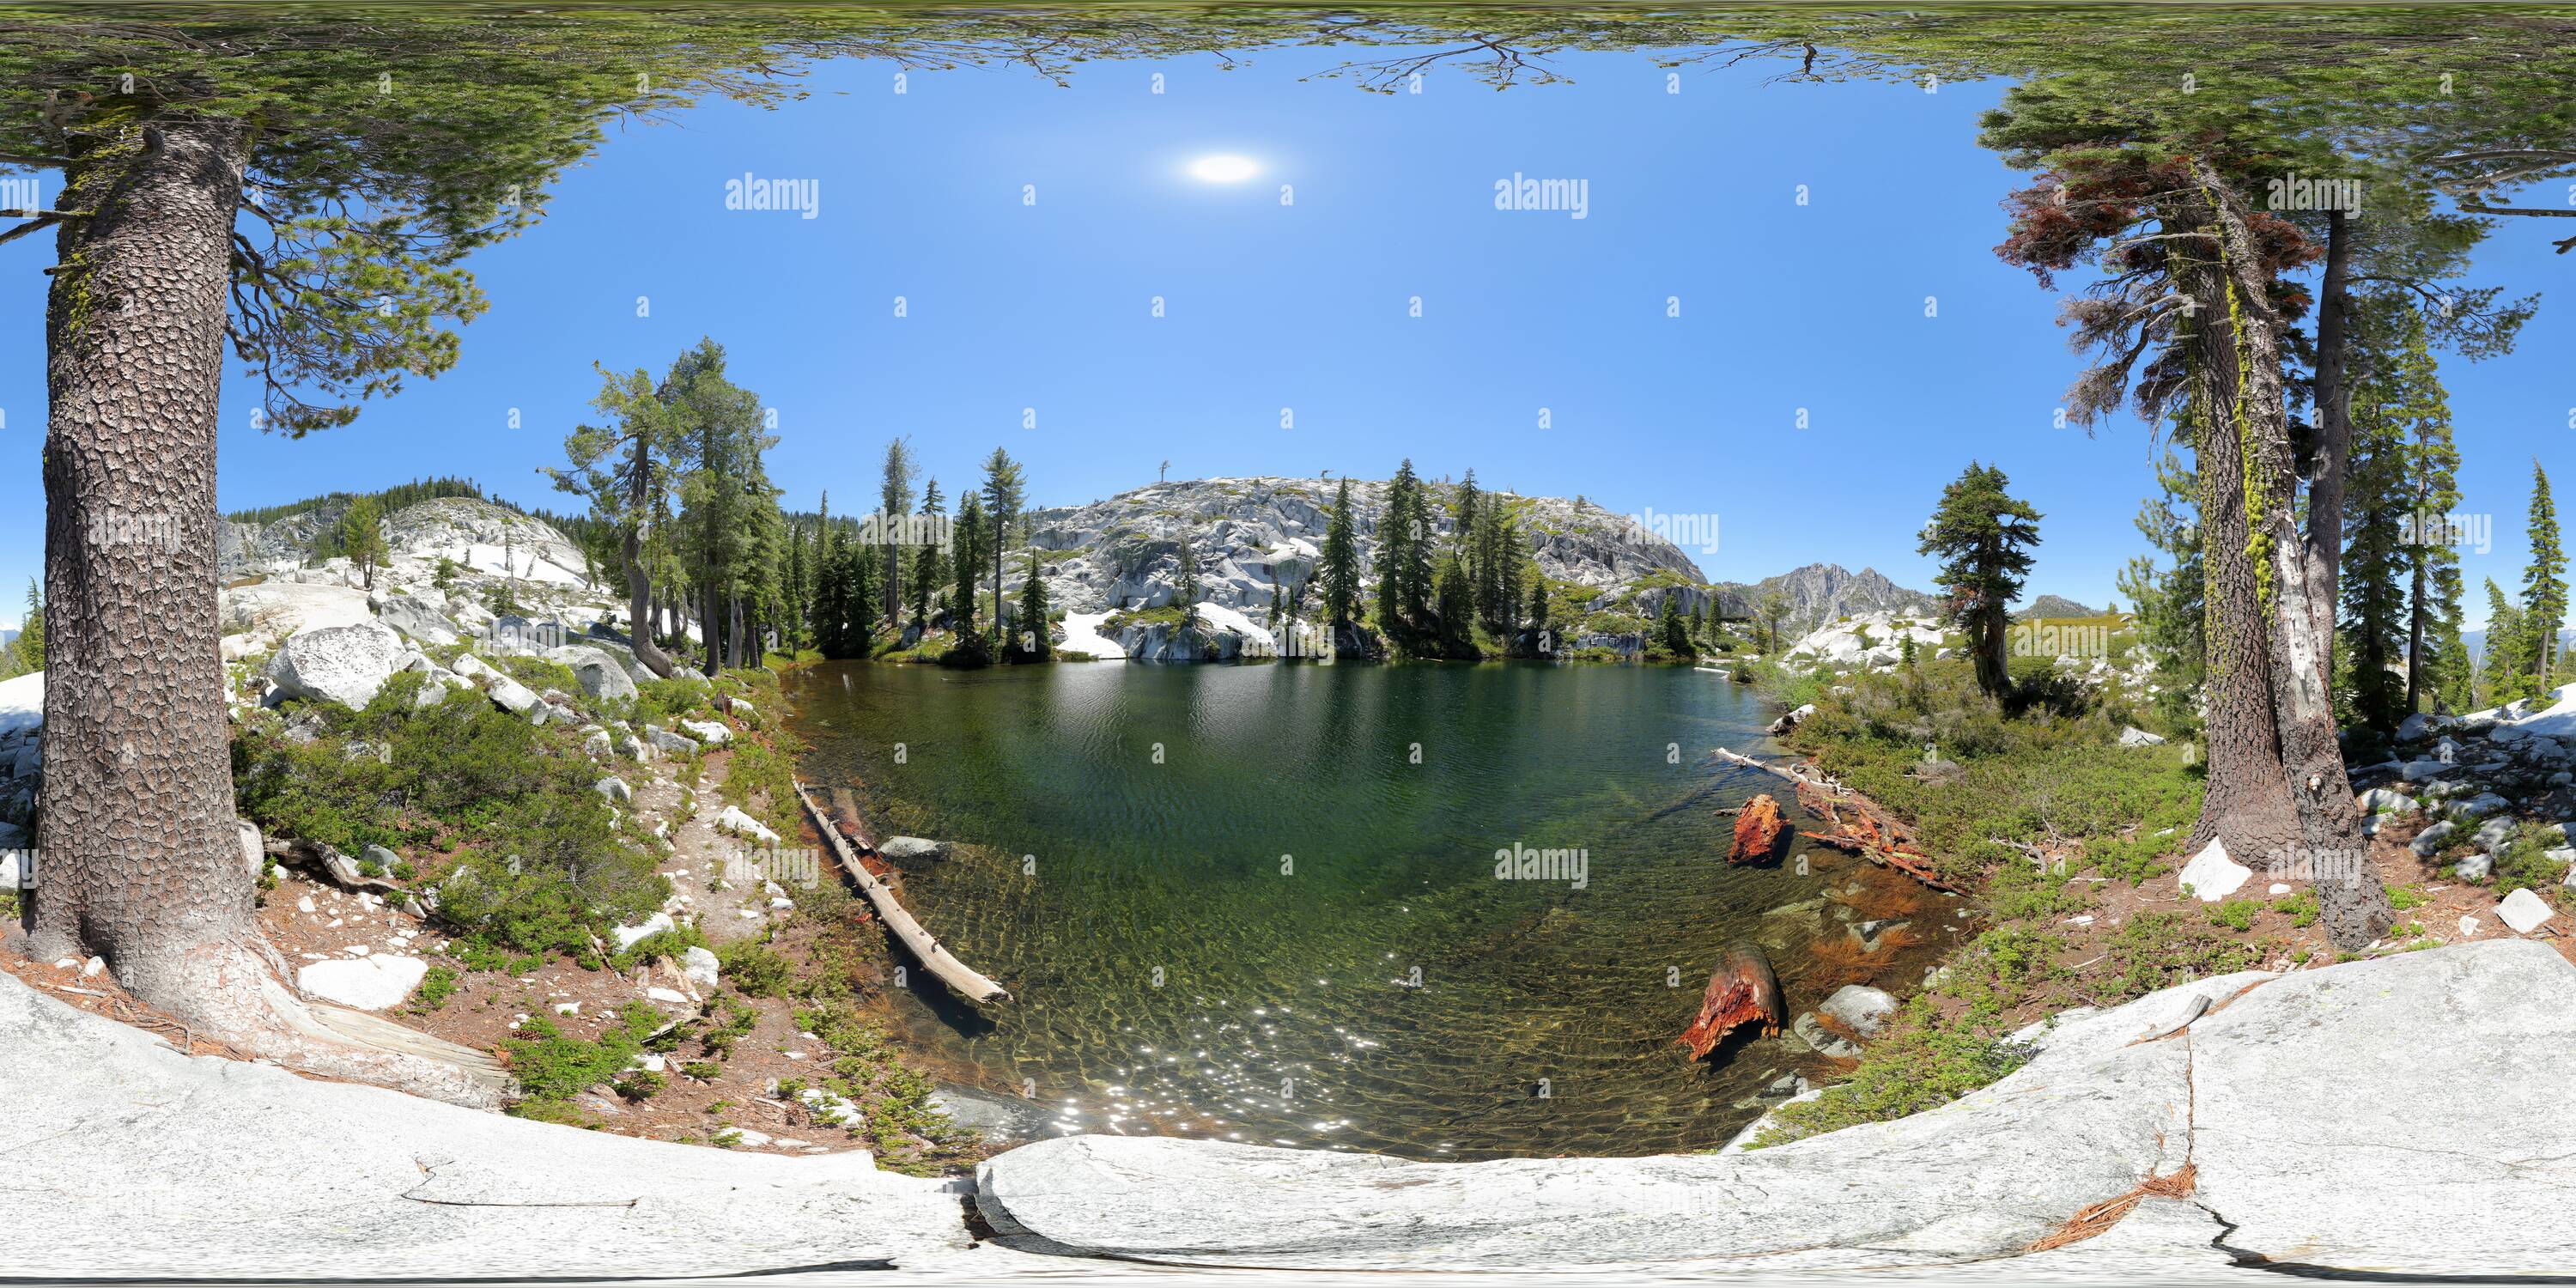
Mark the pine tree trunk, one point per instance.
(141, 863)
(710, 632)
(2350, 897)
(639, 584)
(2416, 611)
(2246, 805)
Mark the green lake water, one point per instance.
(1260, 902)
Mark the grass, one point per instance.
(1922, 1062)
(2038, 771)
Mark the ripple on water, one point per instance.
(1258, 903)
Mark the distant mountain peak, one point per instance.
(1821, 592)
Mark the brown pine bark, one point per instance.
(2299, 615)
(639, 584)
(2247, 802)
(141, 863)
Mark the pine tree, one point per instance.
(1670, 632)
(831, 609)
(1541, 626)
(1983, 536)
(362, 538)
(2498, 676)
(28, 650)
(969, 647)
(2172, 611)
(1034, 644)
(2438, 665)
(1339, 566)
(1456, 609)
(2377, 510)
(1002, 496)
(2544, 590)
(928, 568)
(894, 500)
(1511, 566)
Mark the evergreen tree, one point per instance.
(362, 538)
(1002, 497)
(1511, 567)
(1404, 561)
(2544, 591)
(2172, 611)
(727, 507)
(27, 652)
(1983, 536)
(1670, 632)
(2438, 665)
(1339, 566)
(928, 568)
(830, 613)
(2377, 511)
(1541, 625)
(1773, 609)
(894, 500)
(1034, 644)
(1456, 609)
(2498, 677)
(969, 647)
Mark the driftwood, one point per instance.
(1758, 828)
(1740, 992)
(342, 869)
(941, 963)
(1882, 843)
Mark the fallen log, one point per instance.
(1757, 831)
(342, 869)
(845, 816)
(942, 964)
(1740, 992)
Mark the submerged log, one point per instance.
(1740, 992)
(1757, 831)
(941, 963)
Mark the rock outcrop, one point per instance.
(350, 1182)
(1256, 538)
(2305, 1119)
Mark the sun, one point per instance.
(1224, 169)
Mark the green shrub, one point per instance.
(1921, 1063)
(754, 968)
(437, 985)
(2161, 949)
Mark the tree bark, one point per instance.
(710, 631)
(2246, 805)
(639, 584)
(2416, 611)
(2350, 898)
(141, 862)
(2329, 464)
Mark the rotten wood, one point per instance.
(1740, 992)
(1757, 831)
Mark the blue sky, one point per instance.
(1305, 306)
